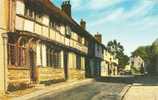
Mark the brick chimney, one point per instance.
(83, 24)
(98, 37)
(66, 7)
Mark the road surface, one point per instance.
(92, 91)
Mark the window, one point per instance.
(12, 54)
(79, 39)
(17, 53)
(86, 42)
(38, 17)
(56, 59)
(21, 55)
(53, 58)
(29, 12)
(68, 31)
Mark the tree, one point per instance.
(144, 52)
(117, 50)
(150, 56)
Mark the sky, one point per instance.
(134, 23)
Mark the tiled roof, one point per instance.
(55, 12)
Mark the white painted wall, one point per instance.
(45, 20)
(28, 25)
(38, 54)
(20, 7)
(62, 59)
(19, 23)
(44, 58)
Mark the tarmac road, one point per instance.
(92, 91)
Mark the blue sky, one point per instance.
(132, 22)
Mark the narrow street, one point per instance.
(92, 91)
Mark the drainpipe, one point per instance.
(5, 40)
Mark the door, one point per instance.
(32, 56)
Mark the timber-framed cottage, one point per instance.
(40, 42)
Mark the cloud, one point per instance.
(132, 22)
(118, 15)
(100, 4)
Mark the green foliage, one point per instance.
(144, 52)
(149, 54)
(117, 49)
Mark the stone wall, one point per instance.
(75, 74)
(50, 74)
(19, 76)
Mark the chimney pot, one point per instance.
(98, 37)
(66, 7)
(83, 24)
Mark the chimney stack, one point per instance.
(83, 24)
(66, 7)
(98, 37)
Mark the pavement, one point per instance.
(142, 93)
(144, 88)
(56, 88)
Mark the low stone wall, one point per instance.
(75, 74)
(19, 75)
(50, 74)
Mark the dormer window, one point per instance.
(38, 17)
(68, 31)
(29, 12)
(79, 39)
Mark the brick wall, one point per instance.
(50, 74)
(16, 76)
(75, 74)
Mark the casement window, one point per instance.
(29, 12)
(57, 59)
(49, 57)
(79, 39)
(86, 42)
(21, 56)
(17, 54)
(38, 17)
(12, 54)
(53, 58)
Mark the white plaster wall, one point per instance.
(72, 60)
(83, 40)
(83, 63)
(45, 31)
(62, 59)
(44, 58)
(20, 7)
(38, 51)
(45, 20)
(62, 29)
(67, 41)
(52, 34)
(19, 23)
(104, 69)
(28, 26)
(38, 29)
